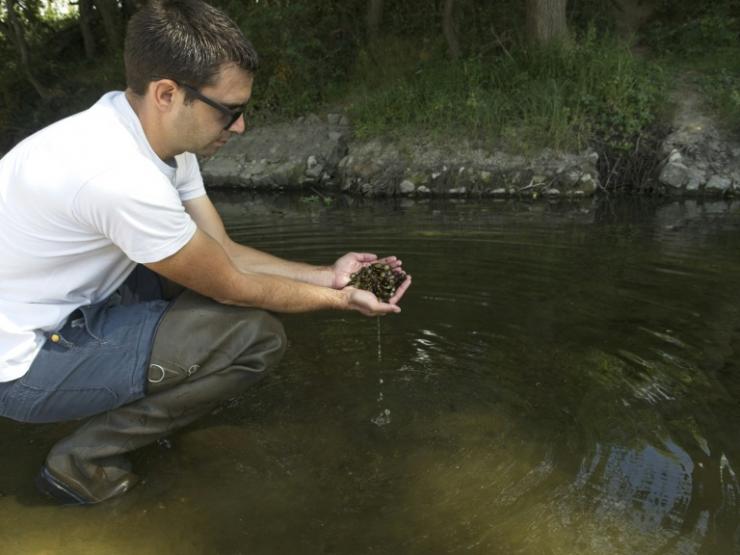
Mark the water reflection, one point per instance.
(563, 379)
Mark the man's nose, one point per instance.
(239, 126)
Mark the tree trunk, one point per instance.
(546, 21)
(19, 40)
(111, 16)
(448, 27)
(88, 39)
(374, 17)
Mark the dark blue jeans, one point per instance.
(99, 362)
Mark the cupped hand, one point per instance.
(368, 304)
(353, 262)
(400, 290)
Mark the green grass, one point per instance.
(703, 42)
(719, 78)
(716, 74)
(559, 98)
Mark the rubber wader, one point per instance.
(204, 353)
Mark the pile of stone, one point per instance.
(319, 154)
(698, 158)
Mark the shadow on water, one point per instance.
(563, 379)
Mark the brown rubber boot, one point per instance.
(204, 353)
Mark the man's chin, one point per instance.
(210, 149)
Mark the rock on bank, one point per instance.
(320, 154)
(700, 159)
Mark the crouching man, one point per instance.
(123, 301)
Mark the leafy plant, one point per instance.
(559, 97)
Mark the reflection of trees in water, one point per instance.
(712, 509)
(711, 438)
(625, 210)
(663, 464)
(693, 498)
(649, 487)
(671, 451)
(674, 224)
(629, 357)
(612, 346)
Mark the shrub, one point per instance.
(561, 97)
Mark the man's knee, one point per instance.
(199, 336)
(263, 349)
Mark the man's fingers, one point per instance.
(379, 308)
(365, 256)
(392, 261)
(401, 290)
(369, 305)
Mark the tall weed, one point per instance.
(560, 97)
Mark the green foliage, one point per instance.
(584, 14)
(734, 101)
(625, 92)
(694, 28)
(304, 49)
(560, 97)
(703, 39)
(57, 61)
(318, 53)
(722, 86)
(73, 86)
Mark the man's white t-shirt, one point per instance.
(81, 203)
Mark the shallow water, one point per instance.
(564, 378)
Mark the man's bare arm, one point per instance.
(249, 259)
(204, 266)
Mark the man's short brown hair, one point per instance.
(184, 40)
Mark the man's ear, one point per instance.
(163, 93)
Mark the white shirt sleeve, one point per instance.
(188, 179)
(138, 210)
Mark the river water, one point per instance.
(563, 378)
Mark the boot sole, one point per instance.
(50, 486)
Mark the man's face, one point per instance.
(200, 125)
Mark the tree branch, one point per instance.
(19, 40)
(448, 28)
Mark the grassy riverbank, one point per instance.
(561, 97)
(594, 89)
(704, 47)
(717, 75)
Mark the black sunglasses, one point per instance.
(231, 114)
